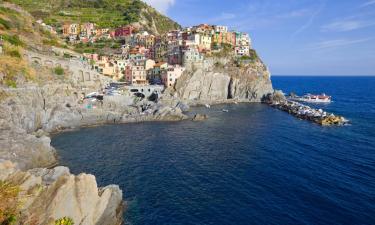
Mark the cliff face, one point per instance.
(221, 80)
(51, 194)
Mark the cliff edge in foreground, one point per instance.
(47, 195)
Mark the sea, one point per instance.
(251, 165)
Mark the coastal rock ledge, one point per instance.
(47, 195)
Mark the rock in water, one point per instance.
(200, 117)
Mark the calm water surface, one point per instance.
(253, 165)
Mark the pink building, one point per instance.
(124, 31)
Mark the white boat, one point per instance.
(225, 110)
(208, 106)
(310, 98)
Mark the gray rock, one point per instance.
(200, 117)
(209, 83)
(48, 195)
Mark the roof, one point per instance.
(159, 64)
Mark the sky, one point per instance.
(293, 37)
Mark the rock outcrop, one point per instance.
(220, 80)
(50, 194)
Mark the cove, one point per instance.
(253, 165)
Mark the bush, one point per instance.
(64, 221)
(59, 71)
(14, 53)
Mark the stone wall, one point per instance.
(79, 71)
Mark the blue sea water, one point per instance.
(253, 165)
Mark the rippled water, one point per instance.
(253, 165)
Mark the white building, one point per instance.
(192, 55)
(242, 50)
(139, 76)
(221, 29)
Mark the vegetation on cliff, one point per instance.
(9, 202)
(19, 32)
(105, 13)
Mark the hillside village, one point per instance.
(143, 58)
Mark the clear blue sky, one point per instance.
(293, 37)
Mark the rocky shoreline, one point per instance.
(28, 117)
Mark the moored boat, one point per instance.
(310, 98)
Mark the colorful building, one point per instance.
(124, 31)
(171, 74)
(139, 76)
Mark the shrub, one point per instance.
(14, 53)
(245, 57)
(67, 56)
(64, 221)
(59, 71)
(11, 83)
(14, 40)
(9, 202)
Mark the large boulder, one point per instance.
(50, 194)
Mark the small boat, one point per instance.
(310, 98)
(225, 110)
(207, 106)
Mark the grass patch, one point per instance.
(59, 71)
(5, 23)
(13, 39)
(12, 68)
(64, 221)
(9, 202)
(10, 83)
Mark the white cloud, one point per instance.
(347, 25)
(336, 43)
(295, 14)
(309, 22)
(368, 3)
(223, 17)
(161, 5)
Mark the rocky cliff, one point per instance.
(221, 79)
(29, 114)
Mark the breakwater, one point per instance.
(305, 112)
